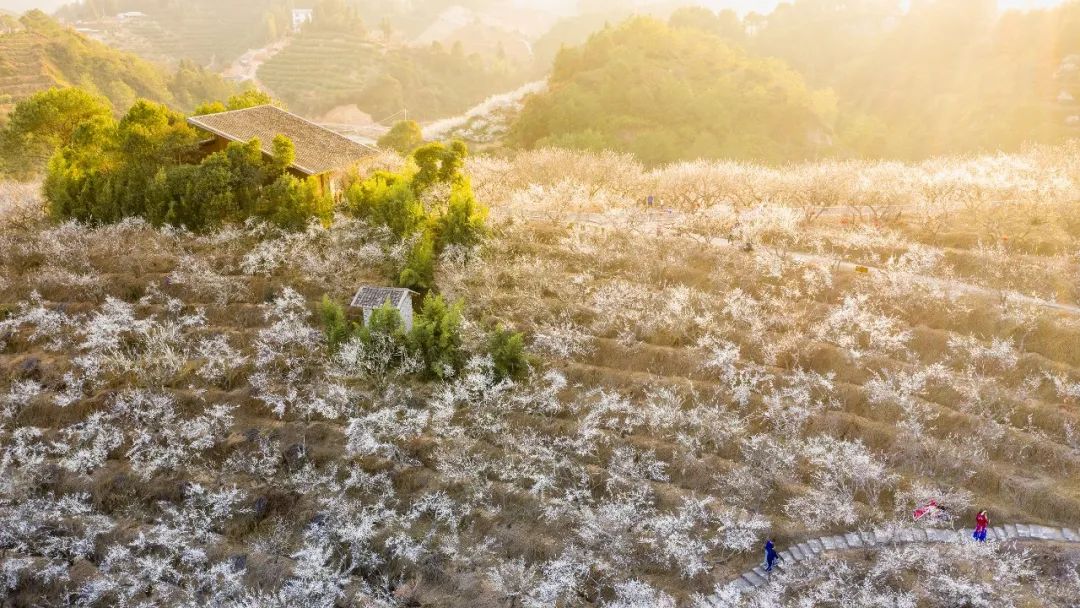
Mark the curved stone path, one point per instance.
(752, 579)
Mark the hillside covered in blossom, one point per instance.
(611, 402)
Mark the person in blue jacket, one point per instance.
(770, 554)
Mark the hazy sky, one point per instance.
(764, 6)
(760, 6)
(1027, 3)
(23, 5)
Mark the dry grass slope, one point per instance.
(686, 400)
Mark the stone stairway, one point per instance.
(810, 549)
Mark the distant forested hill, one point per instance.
(334, 61)
(210, 32)
(938, 76)
(918, 79)
(574, 30)
(666, 93)
(343, 58)
(910, 80)
(216, 32)
(37, 53)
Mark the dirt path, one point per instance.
(246, 67)
(882, 538)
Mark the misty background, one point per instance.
(567, 6)
(664, 80)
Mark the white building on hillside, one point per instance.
(370, 298)
(300, 16)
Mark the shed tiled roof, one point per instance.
(374, 297)
(318, 150)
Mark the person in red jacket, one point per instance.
(982, 521)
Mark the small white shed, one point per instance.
(370, 298)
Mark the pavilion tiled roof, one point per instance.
(318, 150)
(374, 297)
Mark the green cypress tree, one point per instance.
(507, 351)
(384, 321)
(463, 222)
(335, 325)
(436, 336)
(419, 271)
(404, 137)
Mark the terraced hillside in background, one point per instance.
(24, 68)
(323, 69)
(208, 32)
(39, 53)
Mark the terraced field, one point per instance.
(1000, 435)
(212, 38)
(686, 398)
(209, 33)
(41, 53)
(24, 67)
(323, 69)
(1027, 464)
